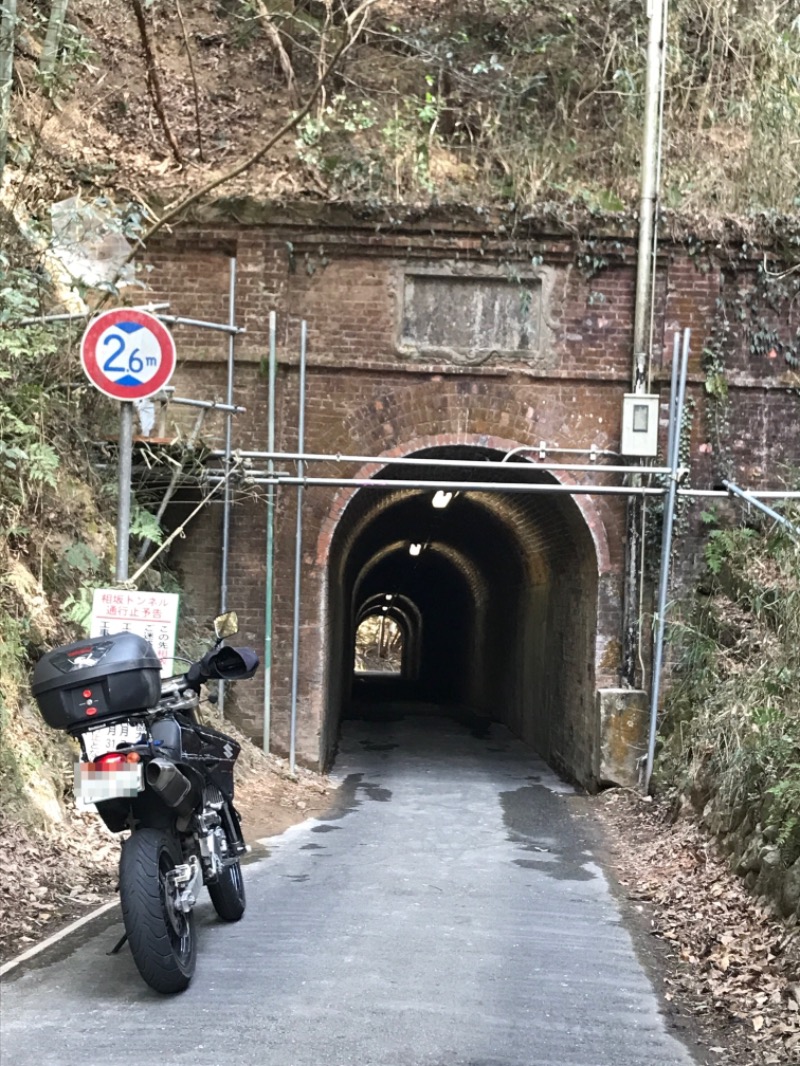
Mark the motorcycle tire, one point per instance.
(227, 893)
(161, 937)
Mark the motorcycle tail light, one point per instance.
(133, 756)
(114, 760)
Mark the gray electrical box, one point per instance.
(640, 425)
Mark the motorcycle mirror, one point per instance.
(225, 625)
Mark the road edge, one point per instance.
(54, 938)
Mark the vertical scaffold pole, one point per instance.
(673, 461)
(298, 547)
(226, 510)
(673, 393)
(270, 549)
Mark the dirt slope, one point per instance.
(490, 101)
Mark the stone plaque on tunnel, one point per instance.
(469, 320)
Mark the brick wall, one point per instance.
(370, 392)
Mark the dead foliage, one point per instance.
(51, 877)
(730, 964)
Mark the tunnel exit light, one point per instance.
(414, 549)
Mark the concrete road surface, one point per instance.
(448, 913)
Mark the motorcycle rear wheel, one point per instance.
(161, 937)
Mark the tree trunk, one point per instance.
(8, 22)
(58, 12)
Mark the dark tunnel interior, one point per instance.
(497, 610)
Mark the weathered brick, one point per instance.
(366, 396)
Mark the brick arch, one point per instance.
(527, 654)
(345, 495)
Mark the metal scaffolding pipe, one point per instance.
(216, 405)
(298, 545)
(666, 555)
(177, 320)
(469, 464)
(226, 513)
(270, 545)
(734, 490)
(262, 478)
(69, 316)
(673, 393)
(766, 494)
(467, 486)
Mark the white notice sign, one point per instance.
(152, 615)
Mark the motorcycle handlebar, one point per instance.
(224, 664)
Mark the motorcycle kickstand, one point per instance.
(119, 945)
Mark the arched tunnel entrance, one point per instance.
(493, 605)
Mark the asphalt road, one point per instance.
(448, 913)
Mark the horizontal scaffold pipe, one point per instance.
(69, 316)
(489, 486)
(469, 464)
(750, 499)
(766, 494)
(460, 486)
(220, 327)
(216, 405)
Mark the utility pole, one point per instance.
(650, 174)
(642, 332)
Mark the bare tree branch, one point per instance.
(194, 81)
(179, 532)
(153, 83)
(356, 23)
(323, 48)
(55, 26)
(275, 40)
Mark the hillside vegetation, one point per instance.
(57, 539)
(478, 101)
(732, 731)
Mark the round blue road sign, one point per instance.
(127, 354)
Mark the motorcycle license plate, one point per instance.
(94, 785)
(110, 737)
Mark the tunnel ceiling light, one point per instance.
(384, 608)
(441, 499)
(414, 549)
(389, 597)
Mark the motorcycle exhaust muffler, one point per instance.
(167, 781)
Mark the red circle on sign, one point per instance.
(95, 368)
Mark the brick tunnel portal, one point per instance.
(495, 616)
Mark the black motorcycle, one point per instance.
(151, 767)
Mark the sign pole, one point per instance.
(125, 477)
